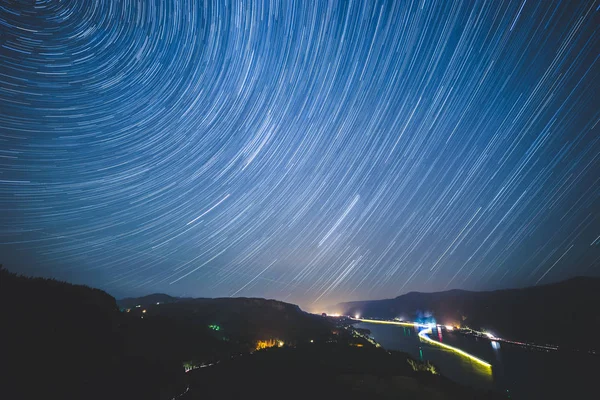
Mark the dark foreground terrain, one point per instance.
(324, 371)
(63, 341)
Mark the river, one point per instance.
(521, 373)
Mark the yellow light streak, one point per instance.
(376, 321)
(423, 335)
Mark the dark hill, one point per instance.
(551, 313)
(325, 371)
(244, 319)
(65, 341)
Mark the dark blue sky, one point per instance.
(306, 151)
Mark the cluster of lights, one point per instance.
(264, 344)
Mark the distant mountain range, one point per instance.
(555, 314)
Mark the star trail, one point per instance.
(311, 152)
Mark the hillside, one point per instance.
(72, 342)
(325, 371)
(543, 314)
(245, 320)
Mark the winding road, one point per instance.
(423, 335)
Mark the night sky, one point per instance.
(311, 152)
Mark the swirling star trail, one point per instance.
(305, 151)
